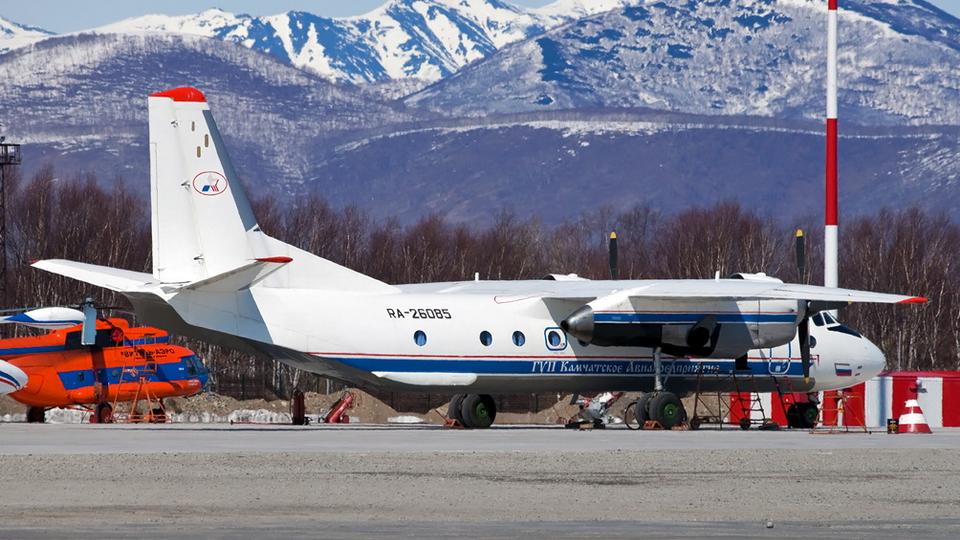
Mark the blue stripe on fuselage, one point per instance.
(560, 366)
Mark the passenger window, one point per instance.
(206, 141)
(519, 339)
(555, 338)
(486, 338)
(420, 338)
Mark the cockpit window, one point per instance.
(829, 319)
(818, 319)
(104, 339)
(844, 329)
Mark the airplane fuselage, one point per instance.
(473, 342)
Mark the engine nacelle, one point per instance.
(715, 329)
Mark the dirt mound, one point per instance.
(8, 405)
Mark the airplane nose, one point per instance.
(12, 374)
(874, 362)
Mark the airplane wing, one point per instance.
(744, 290)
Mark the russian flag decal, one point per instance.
(843, 370)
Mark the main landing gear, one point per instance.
(659, 406)
(36, 415)
(662, 407)
(803, 415)
(473, 411)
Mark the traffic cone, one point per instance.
(912, 420)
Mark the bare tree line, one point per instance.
(908, 251)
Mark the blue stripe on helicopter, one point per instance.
(165, 372)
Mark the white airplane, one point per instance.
(218, 277)
(12, 378)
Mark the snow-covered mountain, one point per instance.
(80, 102)
(419, 39)
(644, 103)
(15, 35)
(898, 64)
(401, 40)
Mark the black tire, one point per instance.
(694, 423)
(104, 413)
(793, 415)
(478, 411)
(667, 409)
(36, 415)
(642, 411)
(809, 414)
(453, 410)
(745, 423)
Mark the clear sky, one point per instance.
(72, 15)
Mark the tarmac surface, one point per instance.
(221, 481)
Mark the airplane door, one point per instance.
(778, 365)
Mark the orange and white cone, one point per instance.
(912, 420)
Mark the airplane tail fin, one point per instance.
(202, 223)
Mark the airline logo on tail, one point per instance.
(210, 183)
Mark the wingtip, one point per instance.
(914, 300)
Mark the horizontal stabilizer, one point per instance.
(242, 277)
(113, 279)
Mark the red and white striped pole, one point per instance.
(831, 258)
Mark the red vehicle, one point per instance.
(124, 364)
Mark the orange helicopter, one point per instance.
(96, 366)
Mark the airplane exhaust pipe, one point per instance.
(580, 324)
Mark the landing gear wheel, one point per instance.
(745, 424)
(809, 414)
(478, 411)
(803, 415)
(694, 423)
(666, 408)
(642, 410)
(453, 410)
(36, 415)
(103, 413)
